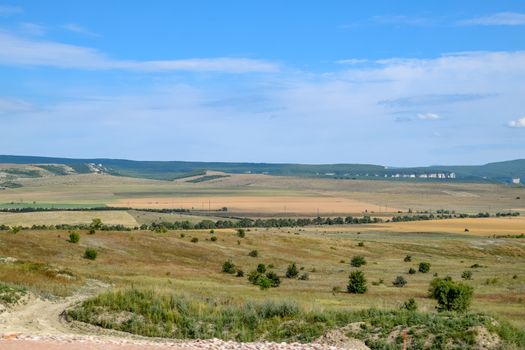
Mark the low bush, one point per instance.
(407, 258)
(412, 271)
(241, 232)
(261, 268)
(240, 273)
(213, 238)
(358, 261)
(194, 240)
(228, 267)
(74, 237)
(424, 267)
(254, 253)
(399, 282)
(90, 254)
(410, 305)
(304, 277)
(466, 275)
(291, 271)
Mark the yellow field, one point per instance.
(67, 217)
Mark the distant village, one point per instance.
(439, 175)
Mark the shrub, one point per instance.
(241, 232)
(272, 276)
(412, 271)
(194, 240)
(261, 268)
(74, 237)
(357, 283)
(361, 244)
(228, 267)
(408, 258)
(424, 267)
(291, 271)
(240, 273)
(182, 235)
(254, 253)
(399, 282)
(265, 281)
(304, 277)
(466, 275)
(410, 305)
(450, 295)
(213, 238)
(91, 231)
(90, 254)
(358, 261)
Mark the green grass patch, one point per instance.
(149, 313)
(207, 178)
(10, 294)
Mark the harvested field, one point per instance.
(66, 217)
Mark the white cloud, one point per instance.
(19, 51)
(428, 116)
(6, 10)
(497, 19)
(352, 61)
(73, 27)
(520, 123)
(8, 105)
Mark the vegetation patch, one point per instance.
(10, 295)
(148, 313)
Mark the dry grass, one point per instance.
(169, 262)
(67, 217)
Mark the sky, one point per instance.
(399, 83)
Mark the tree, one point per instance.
(261, 268)
(291, 271)
(96, 224)
(241, 233)
(358, 261)
(357, 283)
(451, 295)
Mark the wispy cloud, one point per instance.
(7, 10)
(351, 61)
(32, 28)
(519, 123)
(434, 99)
(19, 51)
(403, 20)
(73, 27)
(428, 116)
(497, 19)
(9, 105)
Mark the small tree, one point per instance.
(261, 268)
(241, 233)
(399, 282)
(228, 267)
(357, 283)
(90, 254)
(96, 224)
(358, 261)
(291, 271)
(424, 267)
(450, 295)
(74, 237)
(272, 276)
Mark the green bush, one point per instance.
(74, 237)
(213, 238)
(399, 282)
(408, 258)
(412, 271)
(357, 283)
(410, 305)
(240, 273)
(241, 232)
(228, 267)
(254, 253)
(358, 261)
(424, 267)
(451, 295)
(291, 271)
(361, 244)
(261, 268)
(90, 254)
(265, 281)
(194, 240)
(466, 275)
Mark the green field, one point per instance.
(38, 205)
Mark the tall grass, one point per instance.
(148, 313)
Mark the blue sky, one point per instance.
(389, 82)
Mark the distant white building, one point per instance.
(516, 180)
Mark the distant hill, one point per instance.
(169, 170)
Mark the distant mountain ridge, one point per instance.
(504, 171)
